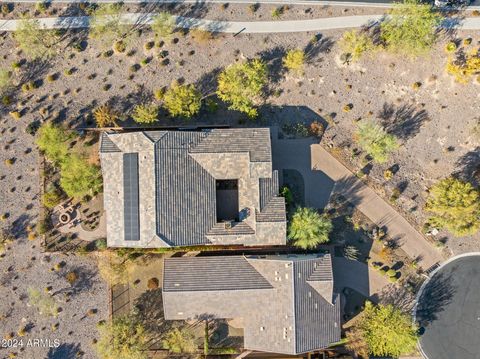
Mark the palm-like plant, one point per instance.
(308, 228)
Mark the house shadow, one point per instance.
(292, 158)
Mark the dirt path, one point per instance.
(375, 208)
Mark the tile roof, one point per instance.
(211, 274)
(185, 191)
(251, 140)
(177, 176)
(282, 311)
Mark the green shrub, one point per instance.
(356, 44)
(182, 100)
(51, 199)
(52, 140)
(145, 114)
(451, 47)
(79, 178)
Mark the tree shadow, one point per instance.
(317, 45)
(397, 296)
(403, 122)
(469, 166)
(85, 279)
(436, 295)
(149, 311)
(64, 351)
(273, 58)
(207, 83)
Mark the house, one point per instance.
(191, 188)
(286, 303)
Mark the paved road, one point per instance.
(237, 26)
(449, 312)
(375, 208)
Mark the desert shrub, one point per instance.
(411, 28)
(308, 228)
(253, 8)
(153, 283)
(388, 174)
(294, 61)
(6, 8)
(34, 40)
(122, 338)
(105, 116)
(242, 86)
(416, 85)
(356, 44)
(52, 140)
(101, 244)
(201, 36)
(106, 24)
(467, 41)
(119, 46)
(16, 115)
(465, 67)
(182, 100)
(146, 113)
(44, 226)
(71, 277)
(79, 178)
(50, 199)
(451, 47)
(278, 12)
(179, 340)
(455, 206)
(45, 303)
(376, 141)
(163, 25)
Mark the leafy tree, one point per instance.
(411, 28)
(53, 141)
(242, 85)
(294, 61)
(145, 113)
(308, 228)
(163, 25)
(182, 100)
(106, 24)
(34, 40)
(356, 343)
(78, 177)
(5, 80)
(376, 141)
(464, 67)
(356, 44)
(387, 331)
(455, 206)
(105, 116)
(122, 338)
(179, 341)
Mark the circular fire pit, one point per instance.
(64, 218)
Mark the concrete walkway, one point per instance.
(375, 208)
(237, 26)
(323, 174)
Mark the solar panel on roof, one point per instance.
(130, 201)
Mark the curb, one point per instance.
(422, 288)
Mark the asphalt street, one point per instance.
(449, 311)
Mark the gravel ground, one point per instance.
(433, 122)
(237, 12)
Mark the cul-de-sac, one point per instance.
(240, 179)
